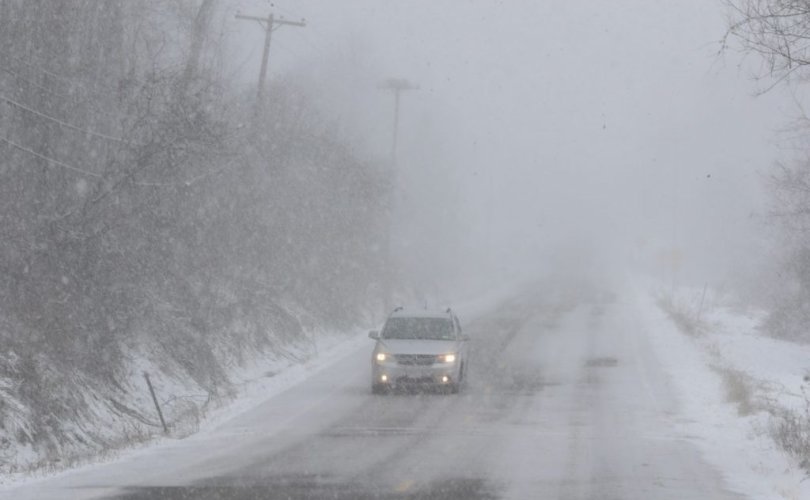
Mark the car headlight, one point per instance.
(448, 358)
(381, 356)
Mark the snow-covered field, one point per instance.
(732, 380)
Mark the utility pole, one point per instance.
(396, 86)
(268, 24)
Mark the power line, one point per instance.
(286, 49)
(241, 66)
(49, 159)
(38, 68)
(317, 46)
(33, 83)
(79, 92)
(66, 80)
(95, 107)
(63, 123)
(186, 183)
(190, 182)
(194, 180)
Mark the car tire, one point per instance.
(378, 389)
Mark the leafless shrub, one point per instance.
(790, 302)
(685, 317)
(790, 430)
(184, 417)
(740, 390)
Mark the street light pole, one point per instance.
(396, 86)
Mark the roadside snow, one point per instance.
(256, 380)
(730, 378)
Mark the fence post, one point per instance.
(702, 300)
(154, 399)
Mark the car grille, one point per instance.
(416, 359)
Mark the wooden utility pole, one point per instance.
(268, 24)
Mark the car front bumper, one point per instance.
(392, 374)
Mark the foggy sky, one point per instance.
(598, 135)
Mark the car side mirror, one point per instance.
(374, 334)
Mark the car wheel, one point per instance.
(378, 389)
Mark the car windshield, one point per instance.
(418, 328)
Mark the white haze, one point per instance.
(585, 135)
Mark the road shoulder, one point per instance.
(707, 368)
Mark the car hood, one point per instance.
(398, 346)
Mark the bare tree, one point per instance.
(776, 30)
(134, 207)
(199, 31)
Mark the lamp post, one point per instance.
(396, 86)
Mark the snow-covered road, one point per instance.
(566, 399)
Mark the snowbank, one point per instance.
(732, 381)
(55, 415)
